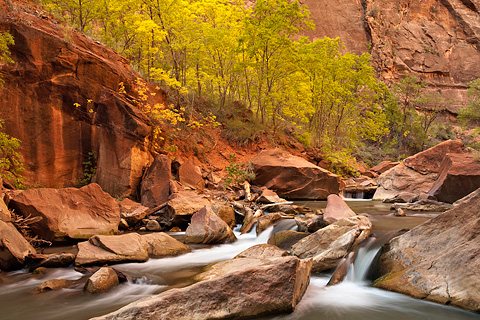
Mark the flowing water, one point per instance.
(350, 300)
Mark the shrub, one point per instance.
(11, 166)
(238, 173)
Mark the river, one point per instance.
(350, 300)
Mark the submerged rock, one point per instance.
(14, 249)
(293, 177)
(438, 260)
(55, 284)
(269, 288)
(207, 227)
(68, 213)
(329, 245)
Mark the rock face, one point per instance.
(439, 259)
(99, 250)
(437, 40)
(13, 247)
(69, 212)
(207, 227)
(155, 185)
(329, 245)
(50, 75)
(459, 175)
(417, 173)
(336, 209)
(293, 177)
(272, 287)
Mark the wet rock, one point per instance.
(329, 245)
(399, 212)
(287, 238)
(155, 185)
(267, 220)
(14, 249)
(207, 227)
(283, 282)
(190, 175)
(459, 175)
(68, 213)
(293, 177)
(132, 211)
(336, 209)
(310, 222)
(102, 280)
(439, 259)
(262, 251)
(54, 284)
(61, 260)
(162, 245)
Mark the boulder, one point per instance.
(102, 280)
(207, 227)
(227, 214)
(329, 245)
(68, 213)
(155, 185)
(61, 260)
(336, 209)
(310, 222)
(153, 225)
(267, 220)
(262, 251)
(403, 197)
(132, 211)
(55, 284)
(269, 288)
(417, 173)
(14, 249)
(269, 196)
(50, 90)
(286, 239)
(439, 259)
(4, 212)
(162, 245)
(186, 203)
(293, 177)
(190, 175)
(459, 175)
(100, 250)
(383, 166)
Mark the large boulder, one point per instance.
(438, 260)
(64, 105)
(329, 245)
(459, 175)
(99, 250)
(293, 177)
(190, 175)
(206, 227)
(68, 213)
(14, 249)
(155, 185)
(336, 209)
(269, 288)
(417, 173)
(185, 204)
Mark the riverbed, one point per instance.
(352, 299)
